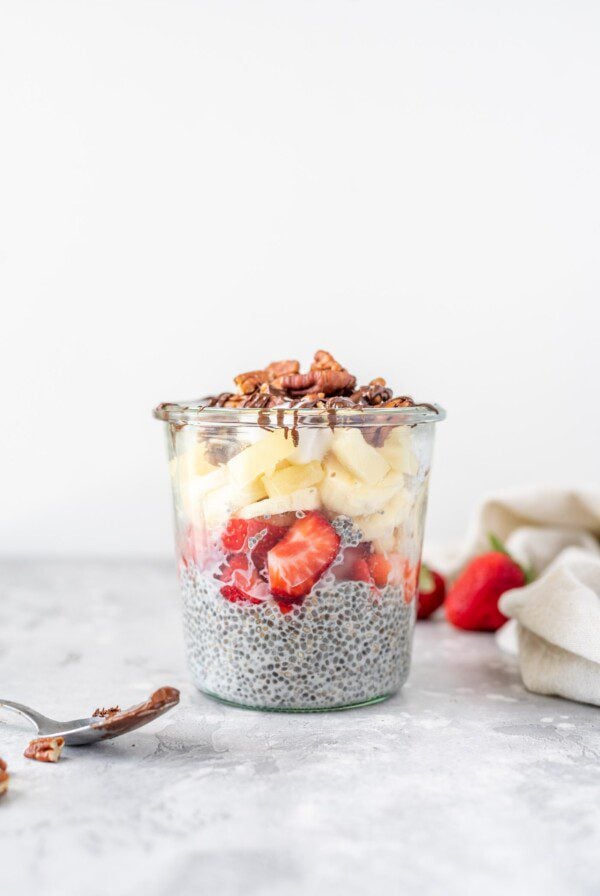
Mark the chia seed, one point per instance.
(346, 644)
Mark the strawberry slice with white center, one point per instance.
(299, 560)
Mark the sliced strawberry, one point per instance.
(234, 536)
(361, 571)
(380, 568)
(236, 595)
(285, 607)
(271, 537)
(193, 546)
(302, 556)
(234, 564)
(410, 576)
(352, 559)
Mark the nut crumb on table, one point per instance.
(4, 777)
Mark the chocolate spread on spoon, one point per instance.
(116, 721)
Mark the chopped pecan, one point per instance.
(45, 749)
(325, 361)
(4, 777)
(281, 368)
(254, 380)
(104, 713)
(375, 393)
(251, 381)
(401, 401)
(233, 401)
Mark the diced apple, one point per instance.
(224, 502)
(343, 493)
(210, 481)
(292, 478)
(398, 452)
(304, 499)
(313, 444)
(381, 524)
(261, 458)
(360, 458)
(192, 462)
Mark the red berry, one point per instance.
(272, 536)
(234, 536)
(285, 606)
(380, 568)
(472, 601)
(361, 571)
(432, 591)
(352, 560)
(235, 563)
(298, 561)
(235, 595)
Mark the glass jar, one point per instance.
(299, 537)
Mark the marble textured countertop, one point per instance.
(462, 784)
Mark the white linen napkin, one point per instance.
(558, 627)
(555, 626)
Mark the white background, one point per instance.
(191, 189)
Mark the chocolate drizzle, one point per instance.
(327, 386)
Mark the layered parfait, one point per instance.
(299, 505)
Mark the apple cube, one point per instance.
(381, 524)
(398, 452)
(292, 478)
(225, 502)
(313, 444)
(343, 493)
(261, 458)
(192, 462)
(303, 499)
(360, 458)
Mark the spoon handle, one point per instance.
(40, 721)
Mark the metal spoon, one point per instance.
(100, 727)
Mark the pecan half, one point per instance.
(45, 749)
(325, 361)
(330, 382)
(4, 777)
(251, 381)
(281, 368)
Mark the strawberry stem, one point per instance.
(498, 545)
(426, 580)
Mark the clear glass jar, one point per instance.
(299, 540)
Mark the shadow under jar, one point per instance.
(299, 538)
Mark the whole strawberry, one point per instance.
(472, 601)
(432, 591)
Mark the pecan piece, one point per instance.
(325, 361)
(233, 401)
(104, 713)
(375, 393)
(333, 378)
(249, 382)
(401, 401)
(330, 382)
(281, 368)
(45, 749)
(4, 777)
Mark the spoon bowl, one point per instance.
(103, 725)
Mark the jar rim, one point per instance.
(194, 413)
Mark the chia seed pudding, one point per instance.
(299, 511)
(342, 647)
